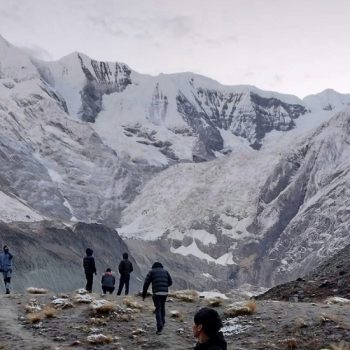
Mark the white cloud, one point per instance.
(272, 44)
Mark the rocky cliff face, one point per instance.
(303, 208)
(331, 278)
(49, 254)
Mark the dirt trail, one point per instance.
(12, 334)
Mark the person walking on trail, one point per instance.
(89, 268)
(125, 268)
(6, 267)
(108, 282)
(161, 281)
(206, 328)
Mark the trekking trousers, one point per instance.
(159, 303)
(124, 279)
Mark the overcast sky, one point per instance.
(291, 46)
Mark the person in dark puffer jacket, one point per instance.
(161, 281)
(108, 282)
(206, 329)
(125, 268)
(89, 268)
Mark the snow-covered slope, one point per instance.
(57, 164)
(273, 214)
(327, 100)
(217, 175)
(162, 119)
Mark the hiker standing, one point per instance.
(206, 328)
(125, 268)
(108, 282)
(161, 280)
(6, 267)
(89, 268)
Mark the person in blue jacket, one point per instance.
(6, 267)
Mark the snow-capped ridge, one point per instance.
(327, 100)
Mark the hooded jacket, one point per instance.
(125, 267)
(89, 262)
(217, 343)
(6, 262)
(160, 279)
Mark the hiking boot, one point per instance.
(159, 330)
(7, 291)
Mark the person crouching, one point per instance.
(108, 282)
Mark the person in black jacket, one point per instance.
(125, 268)
(161, 280)
(89, 268)
(206, 329)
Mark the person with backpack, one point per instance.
(108, 282)
(161, 281)
(125, 268)
(89, 268)
(6, 267)
(206, 328)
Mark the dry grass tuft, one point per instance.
(188, 296)
(102, 307)
(234, 311)
(34, 290)
(291, 343)
(341, 346)
(49, 311)
(215, 302)
(132, 303)
(35, 317)
(251, 305)
(99, 339)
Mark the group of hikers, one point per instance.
(108, 279)
(207, 322)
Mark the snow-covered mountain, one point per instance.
(187, 166)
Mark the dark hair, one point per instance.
(210, 321)
(108, 270)
(89, 252)
(125, 255)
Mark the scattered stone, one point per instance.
(81, 291)
(83, 298)
(99, 339)
(102, 306)
(337, 300)
(138, 331)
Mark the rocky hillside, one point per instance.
(50, 254)
(332, 277)
(47, 321)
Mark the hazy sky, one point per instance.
(292, 46)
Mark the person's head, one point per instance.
(156, 264)
(6, 249)
(108, 270)
(207, 323)
(89, 252)
(125, 255)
